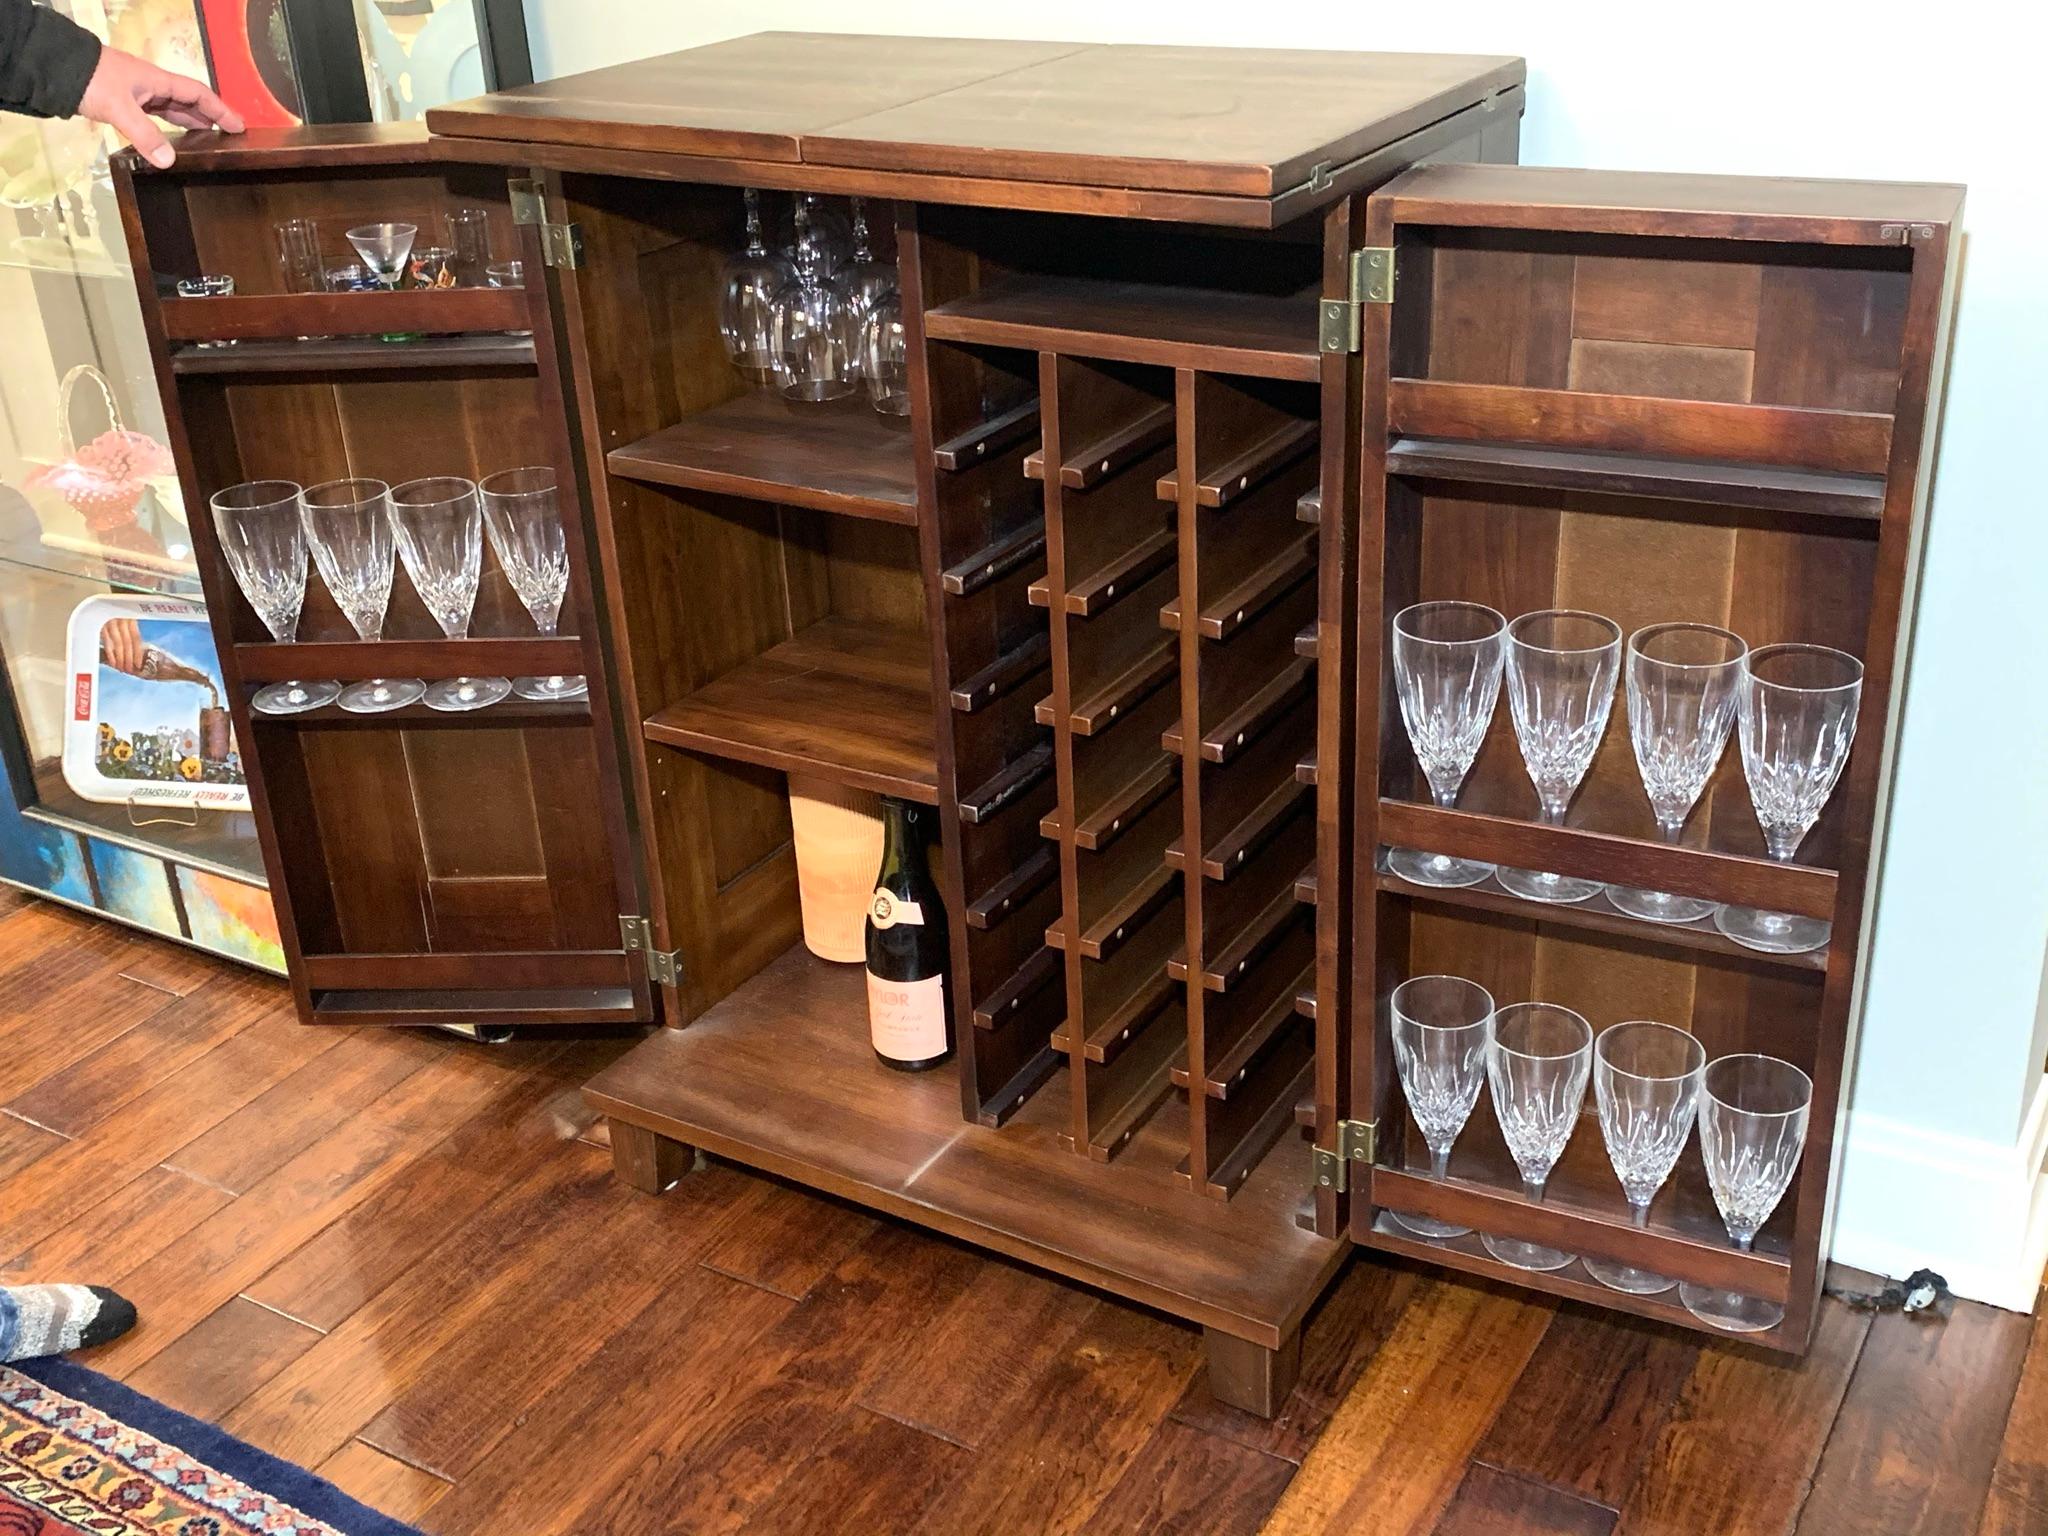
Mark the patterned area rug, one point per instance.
(82, 1455)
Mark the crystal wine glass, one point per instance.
(813, 343)
(1795, 714)
(1680, 683)
(1753, 1112)
(1536, 1065)
(265, 546)
(746, 303)
(1560, 668)
(1447, 662)
(885, 357)
(348, 524)
(439, 527)
(863, 282)
(523, 514)
(1646, 1082)
(1440, 1028)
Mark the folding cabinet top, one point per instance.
(1249, 123)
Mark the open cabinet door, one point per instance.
(429, 865)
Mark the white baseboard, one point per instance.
(1973, 1211)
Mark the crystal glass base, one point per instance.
(1774, 933)
(815, 391)
(377, 694)
(1659, 906)
(455, 694)
(293, 698)
(1427, 1226)
(1730, 1310)
(1626, 1277)
(1435, 868)
(545, 688)
(1535, 885)
(1512, 1250)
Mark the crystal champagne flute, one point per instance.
(523, 515)
(1447, 667)
(1646, 1082)
(1440, 1027)
(1536, 1065)
(439, 527)
(1560, 666)
(348, 525)
(1753, 1113)
(264, 544)
(1795, 714)
(1680, 685)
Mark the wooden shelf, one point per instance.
(1101, 826)
(355, 354)
(987, 438)
(1116, 927)
(1596, 916)
(1007, 894)
(1604, 856)
(1002, 787)
(994, 562)
(269, 661)
(1230, 1066)
(837, 457)
(528, 1006)
(1094, 462)
(1042, 970)
(895, 1142)
(1235, 845)
(1217, 486)
(443, 313)
(1113, 699)
(510, 710)
(1096, 590)
(842, 700)
(1011, 670)
(1762, 487)
(1223, 332)
(1230, 735)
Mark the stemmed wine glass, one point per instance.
(440, 534)
(885, 357)
(1795, 713)
(1680, 683)
(348, 524)
(1753, 1112)
(1646, 1082)
(1536, 1065)
(863, 282)
(1560, 667)
(523, 516)
(746, 302)
(1447, 665)
(812, 340)
(1440, 1028)
(265, 546)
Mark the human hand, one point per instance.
(125, 91)
(121, 646)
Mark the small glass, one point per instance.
(1560, 665)
(469, 245)
(210, 286)
(522, 512)
(885, 357)
(1646, 1082)
(1753, 1113)
(1537, 1064)
(298, 259)
(439, 526)
(507, 274)
(353, 278)
(348, 525)
(1795, 714)
(433, 267)
(1440, 1026)
(1447, 665)
(264, 544)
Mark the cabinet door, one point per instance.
(428, 865)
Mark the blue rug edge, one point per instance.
(305, 1491)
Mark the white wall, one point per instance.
(1949, 1065)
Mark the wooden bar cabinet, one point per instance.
(1109, 599)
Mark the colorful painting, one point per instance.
(44, 858)
(231, 918)
(135, 886)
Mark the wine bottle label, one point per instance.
(889, 911)
(907, 1018)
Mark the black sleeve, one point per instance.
(45, 60)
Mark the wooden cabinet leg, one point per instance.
(649, 1162)
(1250, 1376)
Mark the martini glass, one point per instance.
(386, 249)
(348, 525)
(265, 546)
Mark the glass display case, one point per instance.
(122, 787)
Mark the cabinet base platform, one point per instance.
(779, 1076)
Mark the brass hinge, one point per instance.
(561, 245)
(1357, 1142)
(1371, 282)
(663, 965)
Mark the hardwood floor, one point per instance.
(402, 1259)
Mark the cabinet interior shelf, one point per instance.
(510, 710)
(840, 456)
(844, 700)
(353, 354)
(1763, 487)
(269, 661)
(1227, 332)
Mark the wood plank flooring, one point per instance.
(400, 1258)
